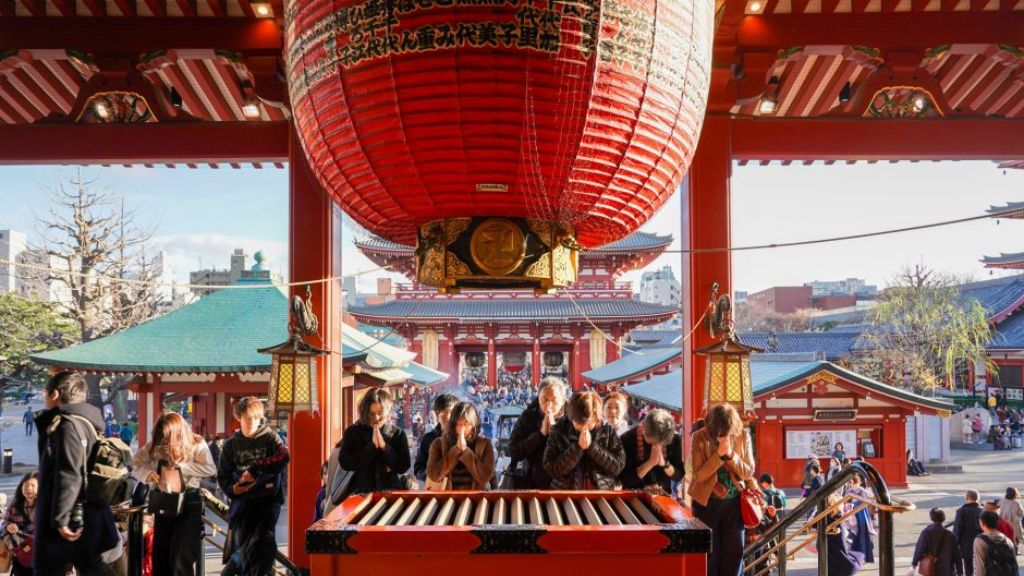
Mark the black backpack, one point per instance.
(107, 468)
(1000, 559)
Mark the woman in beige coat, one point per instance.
(462, 458)
(723, 462)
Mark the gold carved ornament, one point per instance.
(498, 246)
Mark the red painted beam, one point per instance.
(134, 36)
(887, 31)
(196, 143)
(865, 139)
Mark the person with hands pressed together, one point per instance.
(723, 463)
(654, 454)
(462, 459)
(582, 452)
(251, 473)
(530, 435)
(374, 449)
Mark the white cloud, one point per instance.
(190, 252)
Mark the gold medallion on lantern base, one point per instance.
(495, 253)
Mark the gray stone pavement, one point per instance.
(984, 470)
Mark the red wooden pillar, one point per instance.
(706, 224)
(451, 358)
(575, 361)
(310, 258)
(492, 361)
(535, 362)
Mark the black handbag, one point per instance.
(516, 476)
(166, 504)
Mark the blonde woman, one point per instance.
(175, 461)
(722, 463)
(461, 459)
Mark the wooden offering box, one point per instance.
(508, 534)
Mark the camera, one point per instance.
(77, 519)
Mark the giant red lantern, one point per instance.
(499, 135)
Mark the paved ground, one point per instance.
(987, 471)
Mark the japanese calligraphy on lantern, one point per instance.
(374, 29)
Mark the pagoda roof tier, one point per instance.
(511, 311)
(1011, 210)
(1013, 261)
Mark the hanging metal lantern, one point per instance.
(474, 359)
(727, 376)
(553, 359)
(293, 371)
(514, 361)
(575, 122)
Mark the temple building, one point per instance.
(526, 335)
(803, 405)
(205, 354)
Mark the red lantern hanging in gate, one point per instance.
(499, 135)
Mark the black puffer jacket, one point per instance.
(527, 444)
(571, 467)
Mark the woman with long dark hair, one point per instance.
(175, 462)
(19, 527)
(374, 449)
(462, 458)
(723, 462)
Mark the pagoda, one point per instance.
(567, 333)
(1014, 261)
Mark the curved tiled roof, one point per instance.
(998, 296)
(498, 310)
(633, 364)
(217, 333)
(635, 241)
(1009, 334)
(1004, 258)
(666, 390)
(832, 345)
(1011, 210)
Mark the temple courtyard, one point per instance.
(983, 469)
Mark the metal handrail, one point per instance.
(816, 505)
(220, 509)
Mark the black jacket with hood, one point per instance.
(264, 456)
(64, 446)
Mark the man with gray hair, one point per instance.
(654, 453)
(966, 528)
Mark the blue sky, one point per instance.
(200, 215)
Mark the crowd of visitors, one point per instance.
(984, 539)
(60, 519)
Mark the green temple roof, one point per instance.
(222, 332)
(218, 333)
